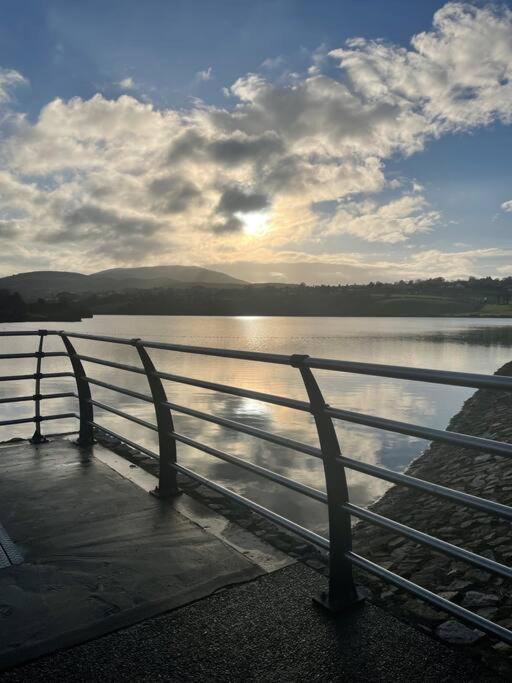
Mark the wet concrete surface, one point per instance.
(265, 630)
(98, 552)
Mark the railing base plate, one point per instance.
(339, 606)
(167, 496)
(37, 439)
(86, 444)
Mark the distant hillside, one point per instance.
(185, 274)
(47, 283)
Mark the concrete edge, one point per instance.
(259, 552)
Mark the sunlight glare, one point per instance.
(255, 222)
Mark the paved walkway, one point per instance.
(265, 630)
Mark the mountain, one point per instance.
(183, 274)
(46, 283)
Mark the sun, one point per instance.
(255, 223)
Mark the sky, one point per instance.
(274, 140)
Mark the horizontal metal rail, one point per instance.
(43, 397)
(63, 394)
(301, 531)
(34, 354)
(256, 469)
(111, 364)
(246, 429)
(44, 375)
(43, 418)
(121, 413)
(222, 388)
(120, 390)
(459, 497)
(430, 541)
(310, 536)
(464, 379)
(461, 379)
(98, 337)
(24, 333)
(54, 375)
(235, 391)
(60, 416)
(428, 433)
(17, 421)
(437, 601)
(123, 439)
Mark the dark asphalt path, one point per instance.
(264, 630)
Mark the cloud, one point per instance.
(456, 76)
(8, 228)
(507, 206)
(205, 75)
(240, 148)
(234, 200)
(9, 78)
(127, 83)
(273, 62)
(173, 194)
(172, 185)
(125, 235)
(345, 268)
(391, 222)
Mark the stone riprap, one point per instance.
(487, 414)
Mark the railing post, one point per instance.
(342, 590)
(167, 479)
(86, 434)
(37, 437)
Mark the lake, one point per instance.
(471, 345)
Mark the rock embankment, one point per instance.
(487, 414)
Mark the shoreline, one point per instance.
(251, 315)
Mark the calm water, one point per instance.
(466, 344)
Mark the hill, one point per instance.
(48, 283)
(178, 274)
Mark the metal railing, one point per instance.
(342, 590)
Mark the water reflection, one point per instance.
(469, 345)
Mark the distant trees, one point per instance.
(434, 296)
(12, 307)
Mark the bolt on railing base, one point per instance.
(338, 606)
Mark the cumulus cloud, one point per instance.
(507, 206)
(394, 221)
(456, 76)
(174, 184)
